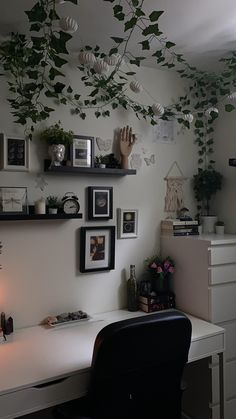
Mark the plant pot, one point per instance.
(208, 224)
(102, 166)
(220, 230)
(57, 154)
(52, 210)
(200, 229)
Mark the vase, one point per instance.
(208, 223)
(220, 230)
(160, 283)
(57, 154)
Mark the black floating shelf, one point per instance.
(86, 170)
(22, 217)
(232, 162)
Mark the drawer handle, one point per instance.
(51, 383)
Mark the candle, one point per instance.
(40, 206)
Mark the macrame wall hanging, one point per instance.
(174, 199)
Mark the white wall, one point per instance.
(40, 259)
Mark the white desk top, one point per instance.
(37, 355)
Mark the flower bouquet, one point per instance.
(160, 271)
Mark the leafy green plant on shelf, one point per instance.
(55, 134)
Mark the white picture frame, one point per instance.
(127, 223)
(14, 153)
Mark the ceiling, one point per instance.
(203, 30)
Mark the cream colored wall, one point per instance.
(40, 259)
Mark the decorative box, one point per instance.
(159, 302)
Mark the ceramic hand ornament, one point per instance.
(126, 140)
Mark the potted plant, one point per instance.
(57, 139)
(205, 184)
(220, 227)
(99, 161)
(53, 204)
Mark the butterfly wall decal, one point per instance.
(150, 160)
(103, 145)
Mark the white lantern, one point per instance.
(158, 109)
(68, 24)
(210, 110)
(113, 59)
(188, 117)
(87, 58)
(232, 97)
(136, 87)
(60, 1)
(101, 67)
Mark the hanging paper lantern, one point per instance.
(188, 117)
(87, 58)
(136, 87)
(60, 1)
(158, 109)
(101, 67)
(232, 97)
(210, 110)
(68, 24)
(114, 59)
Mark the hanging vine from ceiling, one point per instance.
(34, 66)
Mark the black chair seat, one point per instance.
(136, 370)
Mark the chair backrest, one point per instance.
(137, 367)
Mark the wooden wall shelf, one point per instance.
(86, 170)
(25, 217)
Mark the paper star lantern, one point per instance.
(68, 24)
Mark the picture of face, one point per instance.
(97, 247)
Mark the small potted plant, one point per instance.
(53, 204)
(205, 184)
(57, 139)
(99, 161)
(220, 227)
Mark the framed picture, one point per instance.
(100, 203)
(14, 153)
(13, 200)
(97, 249)
(127, 223)
(82, 151)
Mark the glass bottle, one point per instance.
(132, 290)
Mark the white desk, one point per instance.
(42, 367)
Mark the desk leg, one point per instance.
(221, 384)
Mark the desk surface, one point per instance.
(37, 355)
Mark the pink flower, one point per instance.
(153, 265)
(171, 269)
(159, 270)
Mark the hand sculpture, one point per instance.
(127, 140)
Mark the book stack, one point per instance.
(179, 227)
(157, 303)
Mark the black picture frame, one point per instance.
(100, 202)
(14, 153)
(82, 151)
(97, 248)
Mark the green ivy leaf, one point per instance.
(145, 44)
(152, 30)
(35, 27)
(154, 16)
(37, 13)
(170, 44)
(130, 23)
(139, 12)
(117, 40)
(135, 3)
(229, 107)
(58, 87)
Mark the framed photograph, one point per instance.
(100, 203)
(127, 223)
(97, 249)
(82, 151)
(13, 200)
(14, 153)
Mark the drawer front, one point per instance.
(230, 338)
(230, 409)
(205, 347)
(36, 398)
(222, 274)
(223, 303)
(222, 254)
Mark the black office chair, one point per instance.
(136, 370)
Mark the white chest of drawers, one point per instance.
(205, 286)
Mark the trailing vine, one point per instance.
(34, 67)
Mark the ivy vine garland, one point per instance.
(35, 65)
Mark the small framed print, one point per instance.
(127, 223)
(82, 151)
(100, 203)
(97, 249)
(14, 152)
(13, 200)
